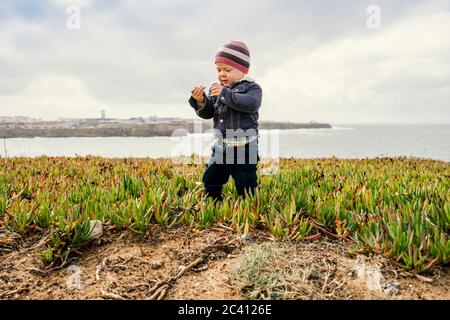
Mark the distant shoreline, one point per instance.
(99, 129)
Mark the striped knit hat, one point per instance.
(235, 54)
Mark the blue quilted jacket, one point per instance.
(236, 107)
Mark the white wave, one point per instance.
(291, 131)
(341, 128)
(205, 135)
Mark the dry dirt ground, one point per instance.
(210, 264)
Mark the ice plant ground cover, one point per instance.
(397, 207)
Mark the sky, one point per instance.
(325, 60)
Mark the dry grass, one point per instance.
(319, 270)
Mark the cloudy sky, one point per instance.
(325, 60)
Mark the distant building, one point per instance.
(137, 119)
(67, 119)
(103, 115)
(152, 119)
(18, 119)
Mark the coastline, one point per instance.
(129, 130)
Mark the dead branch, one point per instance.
(158, 291)
(110, 295)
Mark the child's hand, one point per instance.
(198, 94)
(216, 88)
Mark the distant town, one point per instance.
(26, 127)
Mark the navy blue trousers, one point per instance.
(238, 162)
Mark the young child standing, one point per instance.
(233, 104)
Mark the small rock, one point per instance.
(391, 288)
(156, 265)
(199, 268)
(96, 229)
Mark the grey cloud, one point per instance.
(149, 54)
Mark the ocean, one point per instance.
(342, 141)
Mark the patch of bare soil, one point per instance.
(210, 264)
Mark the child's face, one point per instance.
(227, 75)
